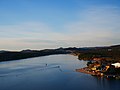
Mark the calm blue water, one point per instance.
(56, 72)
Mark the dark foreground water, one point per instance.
(56, 72)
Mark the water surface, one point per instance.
(55, 72)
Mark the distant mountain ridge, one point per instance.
(15, 55)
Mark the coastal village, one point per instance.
(104, 62)
(100, 69)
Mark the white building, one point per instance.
(117, 65)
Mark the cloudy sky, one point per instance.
(39, 24)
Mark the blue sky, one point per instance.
(39, 24)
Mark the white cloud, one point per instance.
(97, 24)
(30, 30)
(26, 29)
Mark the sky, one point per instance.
(40, 24)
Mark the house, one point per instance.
(117, 65)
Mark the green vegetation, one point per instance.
(103, 53)
(7, 56)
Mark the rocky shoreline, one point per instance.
(85, 70)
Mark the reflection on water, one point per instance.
(56, 72)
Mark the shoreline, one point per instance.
(85, 70)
